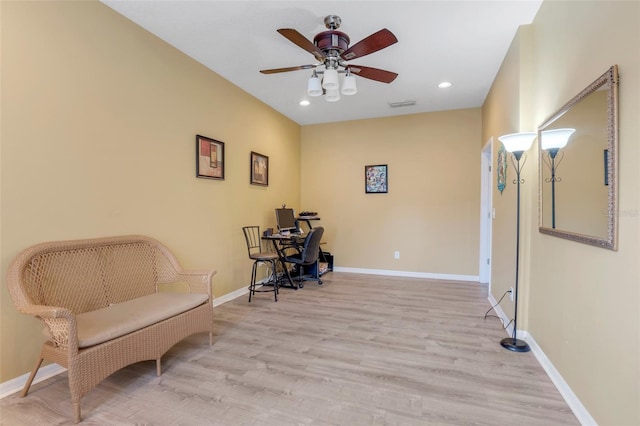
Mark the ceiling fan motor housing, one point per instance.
(332, 40)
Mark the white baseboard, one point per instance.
(15, 385)
(217, 301)
(505, 319)
(408, 274)
(563, 387)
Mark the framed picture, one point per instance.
(376, 179)
(209, 158)
(259, 169)
(502, 168)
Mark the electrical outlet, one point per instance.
(511, 294)
(396, 255)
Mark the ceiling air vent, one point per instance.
(401, 104)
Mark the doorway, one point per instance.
(486, 212)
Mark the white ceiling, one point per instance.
(463, 42)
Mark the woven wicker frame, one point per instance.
(57, 280)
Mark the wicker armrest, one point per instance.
(61, 324)
(46, 311)
(198, 281)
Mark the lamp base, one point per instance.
(515, 345)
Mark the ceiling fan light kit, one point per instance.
(330, 80)
(314, 87)
(332, 95)
(331, 50)
(349, 85)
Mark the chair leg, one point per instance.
(310, 276)
(300, 278)
(77, 416)
(318, 272)
(32, 376)
(274, 277)
(252, 285)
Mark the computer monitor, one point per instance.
(286, 220)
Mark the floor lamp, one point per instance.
(517, 144)
(551, 142)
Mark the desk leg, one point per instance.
(284, 264)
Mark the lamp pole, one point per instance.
(517, 144)
(512, 343)
(551, 142)
(552, 152)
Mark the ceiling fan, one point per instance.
(331, 50)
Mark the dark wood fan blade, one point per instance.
(373, 43)
(298, 39)
(276, 70)
(373, 73)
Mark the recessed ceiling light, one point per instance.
(304, 102)
(444, 85)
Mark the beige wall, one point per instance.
(99, 120)
(431, 212)
(581, 301)
(502, 114)
(584, 300)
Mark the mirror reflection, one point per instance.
(578, 145)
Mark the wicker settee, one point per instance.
(100, 302)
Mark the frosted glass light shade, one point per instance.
(314, 88)
(330, 81)
(332, 95)
(349, 85)
(556, 138)
(515, 142)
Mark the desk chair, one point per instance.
(254, 247)
(307, 255)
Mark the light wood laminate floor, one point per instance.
(358, 350)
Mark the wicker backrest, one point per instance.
(86, 275)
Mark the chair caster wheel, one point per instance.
(300, 285)
(319, 282)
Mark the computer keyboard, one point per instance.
(306, 213)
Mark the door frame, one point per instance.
(487, 212)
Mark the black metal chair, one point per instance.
(254, 247)
(307, 255)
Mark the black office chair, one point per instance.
(254, 247)
(307, 255)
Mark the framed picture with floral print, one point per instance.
(376, 179)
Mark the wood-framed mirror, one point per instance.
(578, 181)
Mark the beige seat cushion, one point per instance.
(99, 326)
